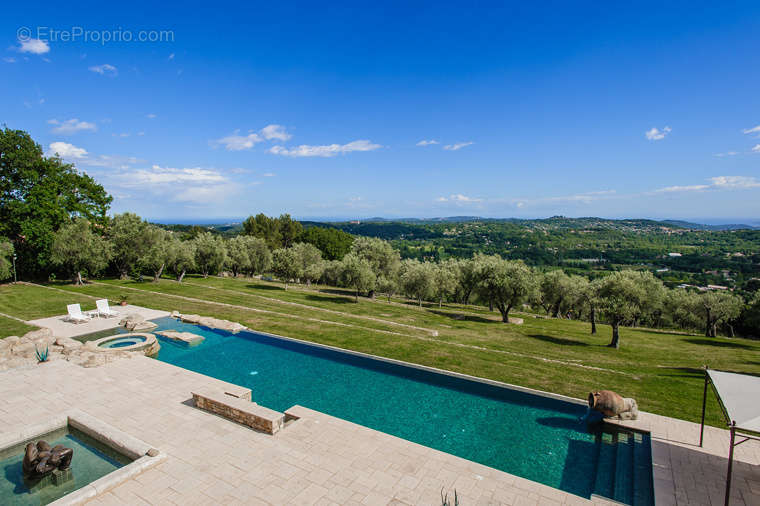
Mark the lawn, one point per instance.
(660, 369)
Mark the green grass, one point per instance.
(10, 327)
(660, 369)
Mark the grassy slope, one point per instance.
(660, 369)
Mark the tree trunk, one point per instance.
(731, 330)
(79, 278)
(419, 299)
(490, 304)
(593, 320)
(123, 274)
(357, 296)
(505, 313)
(440, 302)
(615, 343)
(157, 274)
(708, 324)
(181, 276)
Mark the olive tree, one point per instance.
(310, 259)
(382, 258)
(623, 296)
(718, 307)
(180, 258)
(286, 265)
(555, 292)
(445, 279)
(210, 253)
(157, 254)
(468, 276)
(357, 273)
(77, 249)
(506, 283)
(259, 255)
(418, 279)
(128, 235)
(238, 255)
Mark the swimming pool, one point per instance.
(533, 436)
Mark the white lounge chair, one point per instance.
(104, 309)
(75, 314)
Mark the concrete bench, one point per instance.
(240, 410)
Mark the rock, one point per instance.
(131, 320)
(68, 343)
(11, 340)
(185, 337)
(24, 348)
(516, 321)
(40, 334)
(190, 318)
(175, 314)
(138, 327)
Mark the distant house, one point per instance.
(355, 222)
(717, 287)
(664, 269)
(674, 254)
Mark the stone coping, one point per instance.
(142, 454)
(149, 341)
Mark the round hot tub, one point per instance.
(137, 341)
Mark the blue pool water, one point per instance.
(91, 460)
(528, 435)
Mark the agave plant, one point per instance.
(445, 499)
(42, 355)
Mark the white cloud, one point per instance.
(171, 56)
(104, 70)
(71, 126)
(734, 182)
(9, 59)
(237, 142)
(687, 188)
(169, 175)
(268, 174)
(459, 198)
(150, 116)
(275, 132)
(657, 135)
(66, 150)
(753, 130)
(756, 149)
(326, 150)
(716, 183)
(457, 146)
(427, 142)
(34, 46)
(727, 153)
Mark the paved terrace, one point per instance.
(318, 459)
(63, 328)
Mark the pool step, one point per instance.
(623, 472)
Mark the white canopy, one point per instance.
(740, 395)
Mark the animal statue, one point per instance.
(40, 459)
(612, 405)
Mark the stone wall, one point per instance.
(240, 410)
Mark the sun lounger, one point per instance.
(75, 314)
(104, 309)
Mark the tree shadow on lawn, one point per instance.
(464, 317)
(684, 372)
(720, 344)
(332, 299)
(265, 287)
(563, 341)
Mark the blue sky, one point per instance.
(645, 110)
